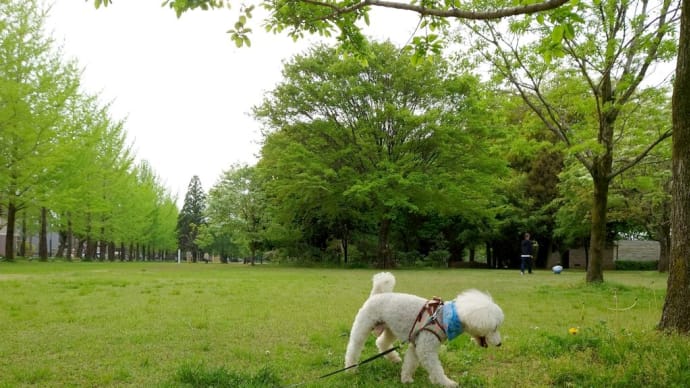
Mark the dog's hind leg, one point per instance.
(361, 329)
(384, 342)
(409, 365)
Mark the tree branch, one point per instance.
(641, 156)
(442, 13)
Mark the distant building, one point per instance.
(31, 242)
(621, 250)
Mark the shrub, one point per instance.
(439, 257)
(623, 265)
(408, 259)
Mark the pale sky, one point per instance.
(182, 86)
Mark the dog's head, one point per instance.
(480, 317)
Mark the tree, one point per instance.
(34, 87)
(236, 210)
(588, 88)
(191, 217)
(676, 311)
(347, 142)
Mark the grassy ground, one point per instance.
(170, 325)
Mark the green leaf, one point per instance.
(569, 31)
(557, 34)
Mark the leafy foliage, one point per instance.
(345, 18)
(236, 213)
(357, 146)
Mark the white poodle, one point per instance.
(424, 324)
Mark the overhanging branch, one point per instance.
(442, 13)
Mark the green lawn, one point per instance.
(165, 324)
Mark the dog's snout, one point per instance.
(498, 344)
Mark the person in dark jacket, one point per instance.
(526, 255)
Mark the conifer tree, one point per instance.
(191, 217)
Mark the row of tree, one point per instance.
(65, 163)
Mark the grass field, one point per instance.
(176, 325)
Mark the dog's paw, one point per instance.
(406, 379)
(451, 384)
(394, 357)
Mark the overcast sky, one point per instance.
(182, 86)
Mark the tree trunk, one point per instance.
(22, 245)
(489, 256)
(455, 247)
(70, 238)
(600, 171)
(102, 246)
(62, 244)
(343, 248)
(91, 247)
(81, 249)
(344, 241)
(9, 236)
(664, 252)
(383, 248)
(252, 250)
(675, 316)
(598, 232)
(43, 236)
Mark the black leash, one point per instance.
(370, 359)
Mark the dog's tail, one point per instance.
(383, 282)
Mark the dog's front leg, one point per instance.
(409, 365)
(427, 353)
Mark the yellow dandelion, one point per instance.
(573, 330)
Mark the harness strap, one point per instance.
(430, 310)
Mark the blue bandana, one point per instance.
(451, 321)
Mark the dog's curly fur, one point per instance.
(392, 315)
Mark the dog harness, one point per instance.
(438, 318)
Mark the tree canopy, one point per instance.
(350, 144)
